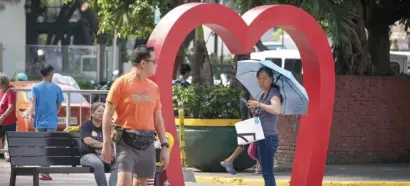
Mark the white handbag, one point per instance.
(249, 131)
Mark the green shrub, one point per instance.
(85, 85)
(208, 102)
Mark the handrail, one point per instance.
(68, 101)
(70, 91)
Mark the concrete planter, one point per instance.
(210, 141)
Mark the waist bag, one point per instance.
(139, 140)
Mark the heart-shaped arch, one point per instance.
(240, 35)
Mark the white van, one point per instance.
(286, 58)
(402, 58)
(289, 59)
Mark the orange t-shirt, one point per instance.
(136, 101)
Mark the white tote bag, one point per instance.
(249, 131)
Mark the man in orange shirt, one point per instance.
(134, 101)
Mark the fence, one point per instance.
(81, 100)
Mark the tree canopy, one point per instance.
(359, 29)
(129, 17)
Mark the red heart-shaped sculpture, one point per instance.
(240, 35)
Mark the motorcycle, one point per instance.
(103, 86)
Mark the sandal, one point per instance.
(45, 177)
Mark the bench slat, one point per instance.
(22, 151)
(13, 134)
(44, 160)
(55, 170)
(43, 142)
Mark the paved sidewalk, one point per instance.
(335, 175)
(61, 179)
(373, 174)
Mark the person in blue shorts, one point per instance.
(45, 104)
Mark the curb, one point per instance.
(260, 182)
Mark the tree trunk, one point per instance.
(60, 26)
(378, 19)
(379, 48)
(353, 58)
(201, 68)
(198, 51)
(31, 37)
(234, 82)
(260, 46)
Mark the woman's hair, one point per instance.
(94, 107)
(269, 71)
(4, 79)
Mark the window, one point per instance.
(277, 61)
(89, 64)
(293, 65)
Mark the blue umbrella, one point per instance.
(295, 98)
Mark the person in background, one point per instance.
(21, 77)
(8, 119)
(267, 108)
(228, 163)
(92, 142)
(45, 104)
(184, 73)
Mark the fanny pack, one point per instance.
(139, 140)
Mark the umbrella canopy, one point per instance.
(295, 98)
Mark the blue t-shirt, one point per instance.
(181, 82)
(47, 96)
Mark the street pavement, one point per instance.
(369, 172)
(378, 173)
(59, 179)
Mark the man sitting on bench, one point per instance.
(92, 142)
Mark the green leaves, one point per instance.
(129, 17)
(208, 102)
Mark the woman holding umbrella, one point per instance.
(290, 99)
(267, 108)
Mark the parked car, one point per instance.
(80, 109)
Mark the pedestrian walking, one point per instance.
(134, 101)
(246, 114)
(267, 108)
(8, 117)
(45, 104)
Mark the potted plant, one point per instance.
(210, 115)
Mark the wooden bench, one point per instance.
(33, 153)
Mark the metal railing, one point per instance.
(80, 96)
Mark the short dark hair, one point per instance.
(140, 53)
(46, 69)
(184, 68)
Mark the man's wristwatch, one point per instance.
(165, 145)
